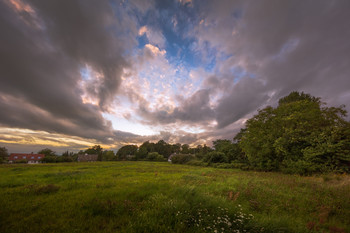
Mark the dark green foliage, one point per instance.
(108, 155)
(215, 157)
(232, 150)
(63, 159)
(3, 154)
(181, 158)
(47, 152)
(142, 152)
(201, 151)
(297, 96)
(95, 150)
(299, 136)
(49, 159)
(154, 156)
(125, 151)
(196, 162)
(185, 149)
(163, 148)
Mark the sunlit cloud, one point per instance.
(77, 73)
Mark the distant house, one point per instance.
(87, 158)
(30, 158)
(170, 157)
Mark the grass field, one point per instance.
(161, 197)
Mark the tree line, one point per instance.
(301, 135)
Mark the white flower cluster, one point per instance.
(217, 221)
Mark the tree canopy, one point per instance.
(47, 152)
(299, 135)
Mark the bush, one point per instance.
(63, 159)
(48, 159)
(300, 167)
(241, 165)
(197, 163)
(21, 161)
(215, 157)
(181, 158)
(154, 156)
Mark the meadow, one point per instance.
(163, 197)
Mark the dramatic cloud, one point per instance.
(185, 71)
(294, 45)
(43, 47)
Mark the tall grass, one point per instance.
(161, 197)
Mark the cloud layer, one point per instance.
(192, 71)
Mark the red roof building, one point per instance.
(30, 158)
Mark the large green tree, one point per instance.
(300, 135)
(108, 155)
(94, 150)
(124, 151)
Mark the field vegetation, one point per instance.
(128, 196)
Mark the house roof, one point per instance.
(22, 156)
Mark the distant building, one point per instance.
(87, 158)
(29, 158)
(170, 157)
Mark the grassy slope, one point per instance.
(161, 197)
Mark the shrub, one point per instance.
(21, 161)
(181, 158)
(154, 156)
(215, 157)
(300, 167)
(197, 163)
(49, 159)
(241, 165)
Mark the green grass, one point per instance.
(161, 197)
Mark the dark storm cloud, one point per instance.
(284, 45)
(84, 30)
(42, 50)
(245, 97)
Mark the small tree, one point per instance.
(108, 155)
(181, 158)
(215, 157)
(47, 152)
(3, 154)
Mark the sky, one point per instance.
(83, 72)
